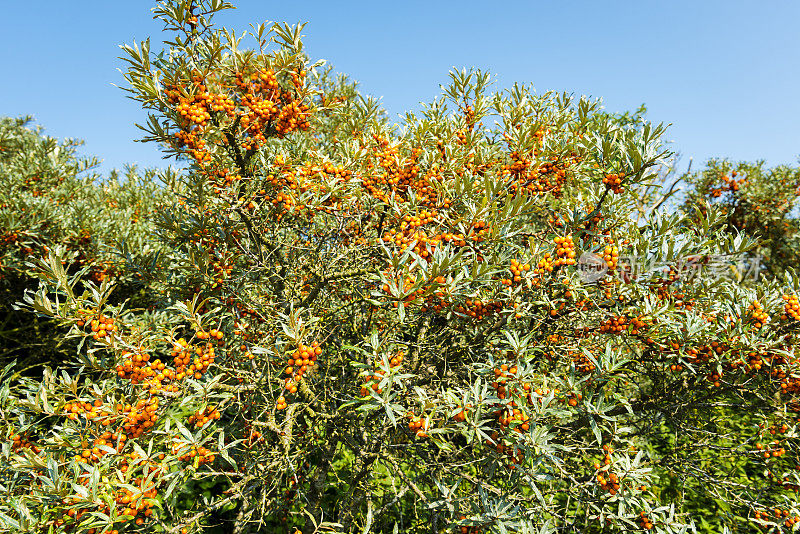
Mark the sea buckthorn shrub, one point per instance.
(755, 200)
(50, 196)
(461, 323)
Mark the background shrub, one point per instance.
(51, 198)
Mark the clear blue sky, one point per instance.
(724, 73)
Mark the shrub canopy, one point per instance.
(483, 319)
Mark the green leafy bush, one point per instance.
(49, 199)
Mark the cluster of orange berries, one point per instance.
(279, 195)
(203, 416)
(609, 481)
(137, 368)
(469, 115)
(93, 452)
(415, 221)
(565, 251)
(266, 110)
(614, 325)
(547, 177)
(188, 453)
(194, 109)
(477, 309)
(583, 364)
(263, 81)
(221, 272)
(705, 353)
(302, 361)
(461, 413)
(422, 241)
(564, 255)
(139, 504)
(102, 327)
(261, 109)
(302, 178)
(771, 451)
(645, 522)
(757, 314)
(418, 425)
(253, 437)
(261, 106)
(211, 334)
(544, 265)
(613, 182)
(516, 269)
(621, 323)
(514, 416)
(122, 498)
(194, 144)
(505, 372)
(552, 176)
(372, 381)
(755, 361)
(779, 373)
(765, 515)
(399, 175)
(778, 429)
(292, 116)
(554, 339)
(791, 308)
(715, 377)
(193, 113)
(136, 420)
(192, 360)
(572, 399)
(729, 184)
(611, 256)
(457, 239)
(11, 237)
(92, 411)
(637, 325)
(140, 416)
(280, 402)
(478, 231)
(338, 172)
(439, 298)
(21, 441)
(298, 79)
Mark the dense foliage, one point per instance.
(485, 319)
(51, 198)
